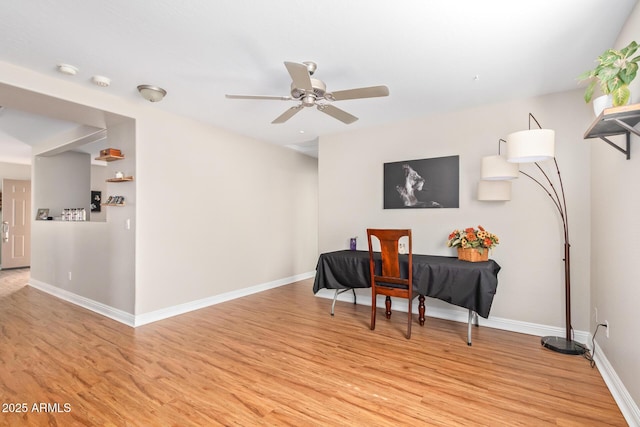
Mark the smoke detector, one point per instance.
(68, 69)
(101, 81)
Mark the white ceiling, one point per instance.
(434, 56)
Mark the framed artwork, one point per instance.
(42, 214)
(96, 201)
(423, 183)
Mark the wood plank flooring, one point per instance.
(279, 358)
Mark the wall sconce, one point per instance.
(152, 93)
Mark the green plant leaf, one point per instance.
(620, 96)
(588, 93)
(630, 49)
(587, 75)
(628, 74)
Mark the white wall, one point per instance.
(14, 171)
(218, 212)
(531, 282)
(61, 181)
(615, 233)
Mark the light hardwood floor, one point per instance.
(279, 358)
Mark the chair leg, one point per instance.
(373, 311)
(387, 305)
(421, 310)
(410, 318)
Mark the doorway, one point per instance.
(16, 224)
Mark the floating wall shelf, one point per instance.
(110, 158)
(616, 121)
(125, 179)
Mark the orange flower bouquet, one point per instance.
(470, 238)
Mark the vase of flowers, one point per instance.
(473, 244)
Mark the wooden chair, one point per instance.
(390, 281)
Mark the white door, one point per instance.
(16, 224)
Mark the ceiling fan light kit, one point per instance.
(310, 92)
(152, 93)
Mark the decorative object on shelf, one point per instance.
(74, 214)
(114, 201)
(110, 152)
(96, 201)
(533, 146)
(473, 244)
(43, 214)
(119, 175)
(424, 183)
(152, 93)
(615, 70)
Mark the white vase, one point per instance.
(602, 102)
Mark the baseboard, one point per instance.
(154, 316)
(459, 314)
(89, 304)
(625, 402)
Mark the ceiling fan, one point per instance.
(310, 92)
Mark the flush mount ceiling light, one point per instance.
(101, 81)
(68, 69)
(152, 93)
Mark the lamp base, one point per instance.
(561, 345)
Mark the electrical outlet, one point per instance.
(606, 331)
(69, 275)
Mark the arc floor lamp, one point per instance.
(533, 146)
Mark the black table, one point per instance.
(471, 285)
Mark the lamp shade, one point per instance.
(152, 93)
(528, 146)
(497, 168)
(494, 190)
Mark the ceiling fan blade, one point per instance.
(287, 114)
(337, 113)
(277, 98)
(362, 92)
(300, 75)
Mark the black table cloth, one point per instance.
(471, 285)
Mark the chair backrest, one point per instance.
(389, 242)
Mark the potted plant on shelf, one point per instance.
(473, 245)
(615, 70)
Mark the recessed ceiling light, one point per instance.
(101, 81)
(68, 69)
(301, 131)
